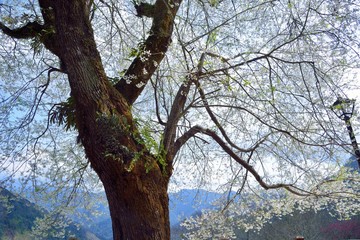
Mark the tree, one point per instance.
(248, 87)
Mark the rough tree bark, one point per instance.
(134, 180)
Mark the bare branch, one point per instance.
(178, 110)
(214, 119)
(145, 9)
(155, 87)
(233, 155)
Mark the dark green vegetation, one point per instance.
(17, 217)
(312, 225)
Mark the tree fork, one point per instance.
(135, 187)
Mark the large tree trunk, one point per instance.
(138, 205)
(135, 183)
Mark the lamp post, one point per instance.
(344, 109)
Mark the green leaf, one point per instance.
(246, 83)
(214, 3)
(212, 37)
(133, 52)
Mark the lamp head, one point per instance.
(343, 108)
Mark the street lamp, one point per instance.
(344, 109)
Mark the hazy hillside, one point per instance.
(17, 216)
(182, 204)
(187, 202)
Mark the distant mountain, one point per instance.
(353, 163)
(187, 202)
(17, 216)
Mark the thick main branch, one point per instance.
(30, 30)
(152, 51)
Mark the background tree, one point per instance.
(163, 85)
